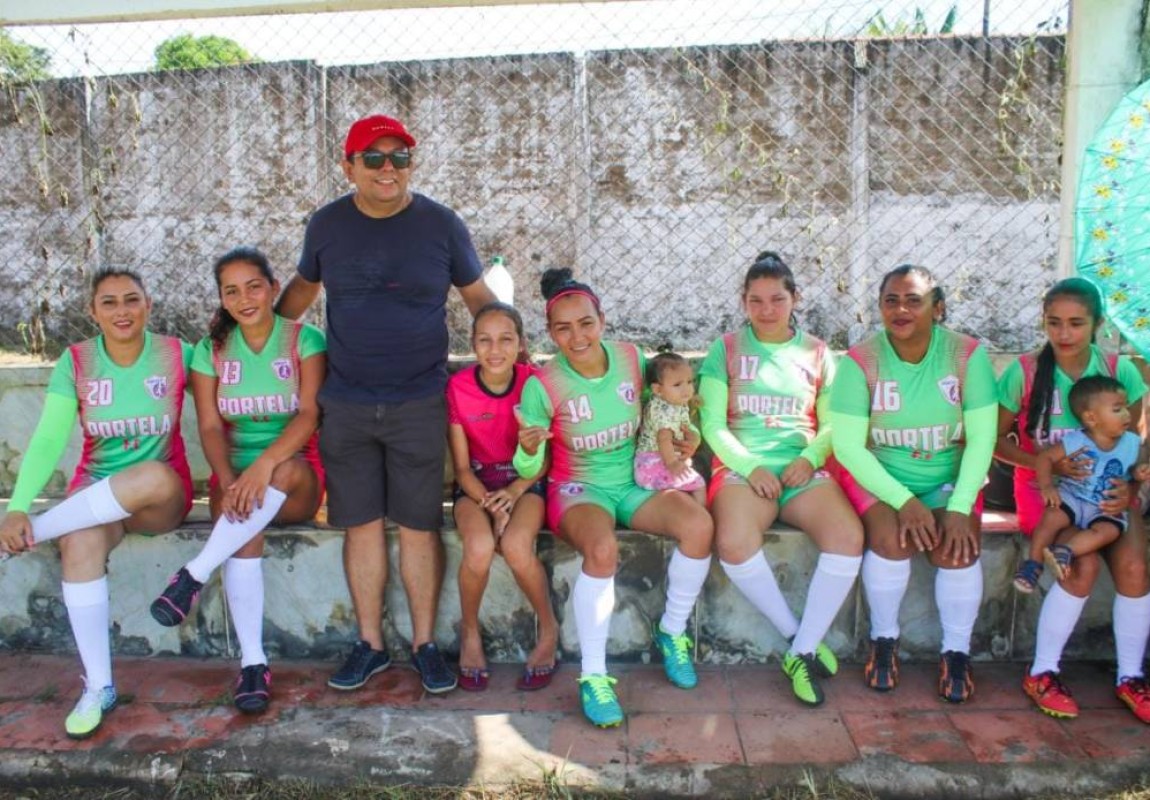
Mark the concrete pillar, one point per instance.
(1104, 62)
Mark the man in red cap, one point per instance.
(386, 258)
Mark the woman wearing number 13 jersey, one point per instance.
(254, 378)
(913, 423)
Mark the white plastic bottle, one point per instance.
(500, 282)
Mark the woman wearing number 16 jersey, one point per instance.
(913, 422)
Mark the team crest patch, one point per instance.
(570, 489)
(282, 368)
(157, 386)
(949, 388)
(627, 392)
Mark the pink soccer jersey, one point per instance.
(489, 422)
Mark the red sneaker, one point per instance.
(1135, 693)
(1048, 693)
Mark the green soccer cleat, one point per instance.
(826, 664)
(89, 712)
(600, 706)
(676, 652)
(803, 672)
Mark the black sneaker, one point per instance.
(881, 670)
(253, 689)
(360, 665)
(173, 606)
(434, 673)
(955, 677)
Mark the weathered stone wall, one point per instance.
(657, 174)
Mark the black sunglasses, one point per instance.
(374, 159)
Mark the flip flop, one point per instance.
(535, 678)
(473, 679)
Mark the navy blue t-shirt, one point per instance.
(386, 282)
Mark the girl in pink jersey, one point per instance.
(583, 407)
(766, 391)
(126, 386)
(265, 465)
(1033, 391)
(496, 511)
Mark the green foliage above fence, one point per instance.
(199, 52)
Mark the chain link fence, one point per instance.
(654, 147)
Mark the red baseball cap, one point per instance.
(365, 131)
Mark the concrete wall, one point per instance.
(657, 174)
(308, 611)
(309, 614)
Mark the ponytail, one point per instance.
(1041, 400)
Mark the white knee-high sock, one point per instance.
(90, 616)
(1131, 627)
(244, 587)
(755, 579)
(834, 576)
(228, 537)
(685, 576)
(884, 583)
(95, 505)
(958, 594)
(593, 600)
(1056, 621)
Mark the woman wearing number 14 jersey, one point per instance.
(584, 407)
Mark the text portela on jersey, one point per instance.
(258, 405)
(927, 437)
(129, 427)
(772, 405)
(605, 439)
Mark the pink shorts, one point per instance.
(1028, 503)
(652, 473)
(722, 475)
(861, 500)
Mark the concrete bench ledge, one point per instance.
(308, 611)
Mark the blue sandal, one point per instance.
(1058, 558)
(1026, 579)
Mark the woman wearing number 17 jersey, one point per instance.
(913, 422)
(584, 406)
(126, 386)
(766, 406)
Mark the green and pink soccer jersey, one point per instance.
(915, 412)
(594, 422)
(761, 401)
(127, 414)
(257, 394)
(1014, 385)
(1014, 395)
